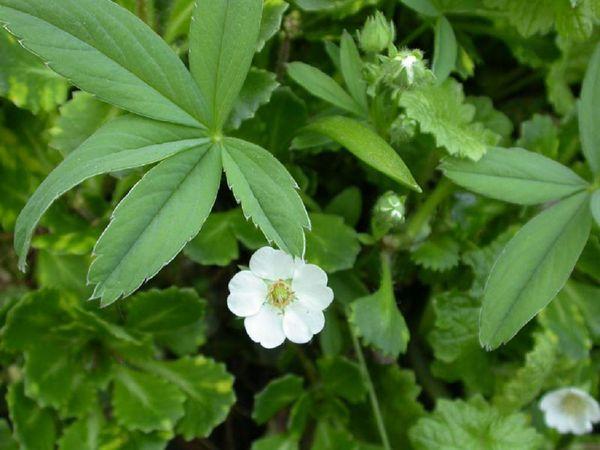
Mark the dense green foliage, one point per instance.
(438, 159)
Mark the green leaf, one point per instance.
(66, 272)
(145, 402)
(585, 297)
(589, 110)
(79, 118)
(107, 51)
(208, 390)
(377, 319)
(33, 428)
(216, 244)
(445, 51)
(441, 110)
(256, 91)
(6, 440)
(595, 206)
(347, 204)
(490, 117)
(267, 194)
(272, 16)
(323, 86)
(530, 379)
(154, 221)
(157, 311)
(83, 434)
(25, 81)
(331, 244)
(352, 71)
(533, 267)
(473, 425)
(438, 254)
(276, 442)
(515, 175)
(123, 143)
(367, 146)
(331, 437)
(540, 135)
(343, 378)
(223, 38)
(278, 394)
(423, 7)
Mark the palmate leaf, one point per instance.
(515, 175)
(223, 37)
(123, 143)
(533, 267)
(154, 221)
(107, 51)
(267, 194)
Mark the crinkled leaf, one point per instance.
(441, 110)
(533, 267)
(109, 52)
(458, 425)
(367, 146)
(154, 221)
(123, 143)
(515, 175)
(223, 37)
(267, 194)
(438, 254)
(24, 79)
(278, 394)
(331, 244)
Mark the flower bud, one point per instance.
(377, 34)
(388, 214)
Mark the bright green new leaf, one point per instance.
(156, 311)
(123, 143)
(589, 111)
(154, 222)
(352, 69)
(145, 402)
(367, 146)
(331, 244)
(473, 425)
(107, 51)
(378, 320)
(79, 119)
(595, 206)
(223, 37)
(216, 244)
(278, 394)
(533, 267)
(207, 388)
(441, 110)
(445, 50)
(267, 194)
(33, 427)
(323, 86)
(256, 91)
(24, 79)
(515, 175)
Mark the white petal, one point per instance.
(314, 319)
(272, 264)
(266, 327)
(247, 293)
(308, 275)
(315, 297)
(551, 401)
(295, 328)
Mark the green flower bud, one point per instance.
(388, 214)
(377, 34)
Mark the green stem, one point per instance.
(415, 34)
(371, 389)
(420, 218)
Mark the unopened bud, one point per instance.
(377, 34)
(389, 213)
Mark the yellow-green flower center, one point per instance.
(280, 294)
(572, 404)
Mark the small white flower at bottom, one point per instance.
(570, 410)
(280, 297)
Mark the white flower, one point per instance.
(570, 410)
(407, 62)
(280, 297)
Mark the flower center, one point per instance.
(572, 404)
(280, 294)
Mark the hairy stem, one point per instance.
(371, 389)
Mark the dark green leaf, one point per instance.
(278, 394)
(331, 244)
